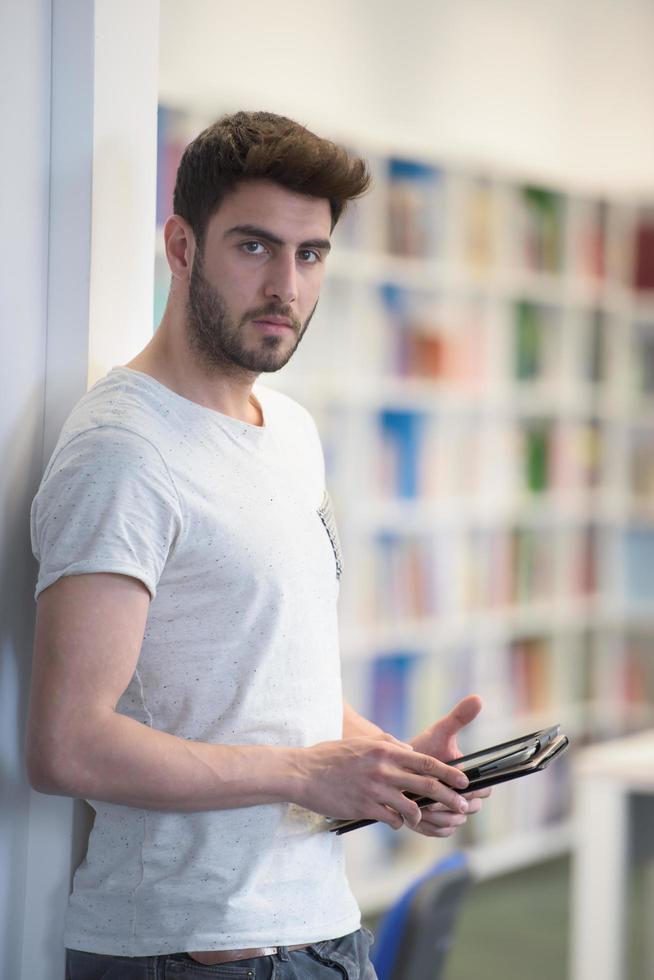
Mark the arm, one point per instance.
(89, 632)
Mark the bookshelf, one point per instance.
(481, 369)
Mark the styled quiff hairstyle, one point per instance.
(262, 146)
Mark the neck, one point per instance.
(168, 359)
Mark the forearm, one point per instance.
(123, 761)
(355, 724)
(115, 759)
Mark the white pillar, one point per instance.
(103, 192)
(78, 99)
(24, 163)
(599, 879)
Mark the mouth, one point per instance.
(273, 324)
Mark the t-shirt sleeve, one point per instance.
(107, 503)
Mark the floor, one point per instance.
(516, 927)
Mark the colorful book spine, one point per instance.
(533, 564)
(641, 464)
(412, 187)
(393, 679)
(543, 221)
(643, 275)
(536, 457)
(531, 675)
(643, 360)
(593, 238)
(529, 343)
(594, 366)
(405, 578)
(638, 544)
(480, 227)
(402, 435)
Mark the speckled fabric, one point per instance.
(221, 521)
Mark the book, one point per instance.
(533, 563)
(529, 343)
(592, 239)
(536, 453)
(641, 464)
(480, 226)
(637, 669)
(643, 360)
(430, 337)
(643, 273)
(543, 233)
(402, 435)
(531, 674)
(405, 577)
(586, 578)
(595, 352)
(413, 208)
(638, 549)
(392, 692)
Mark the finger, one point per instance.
(428, 831)
(432, 788)
(461, 715)
(387, 815)
(433, 828)
(387, 737)
(443, 818)
(474, 806)
(407, 809)
(479, 794)
(417, 762)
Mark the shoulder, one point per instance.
(114, 441)
(122, 399)
(280, 410)
(120, 416)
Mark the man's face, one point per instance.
(254, 288)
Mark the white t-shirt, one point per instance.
(222, 522)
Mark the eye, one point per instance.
(253, 248)
(309, 255)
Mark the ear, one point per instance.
(179, 242)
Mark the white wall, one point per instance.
(562, 89)
(24, 96)
(77, 179)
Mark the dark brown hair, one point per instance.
(263, 146)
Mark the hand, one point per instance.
(366, 777)
(439, 740)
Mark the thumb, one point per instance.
(461, 715)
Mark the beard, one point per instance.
(216, 338)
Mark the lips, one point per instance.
(273, 324)
(276, 321)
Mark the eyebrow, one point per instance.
(268, 236)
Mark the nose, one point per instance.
(281, 282)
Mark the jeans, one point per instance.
(345, 957)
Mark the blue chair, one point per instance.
(416, 933)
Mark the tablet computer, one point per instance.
(495, 764)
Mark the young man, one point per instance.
(186, 674)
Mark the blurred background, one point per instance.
(481, 369)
